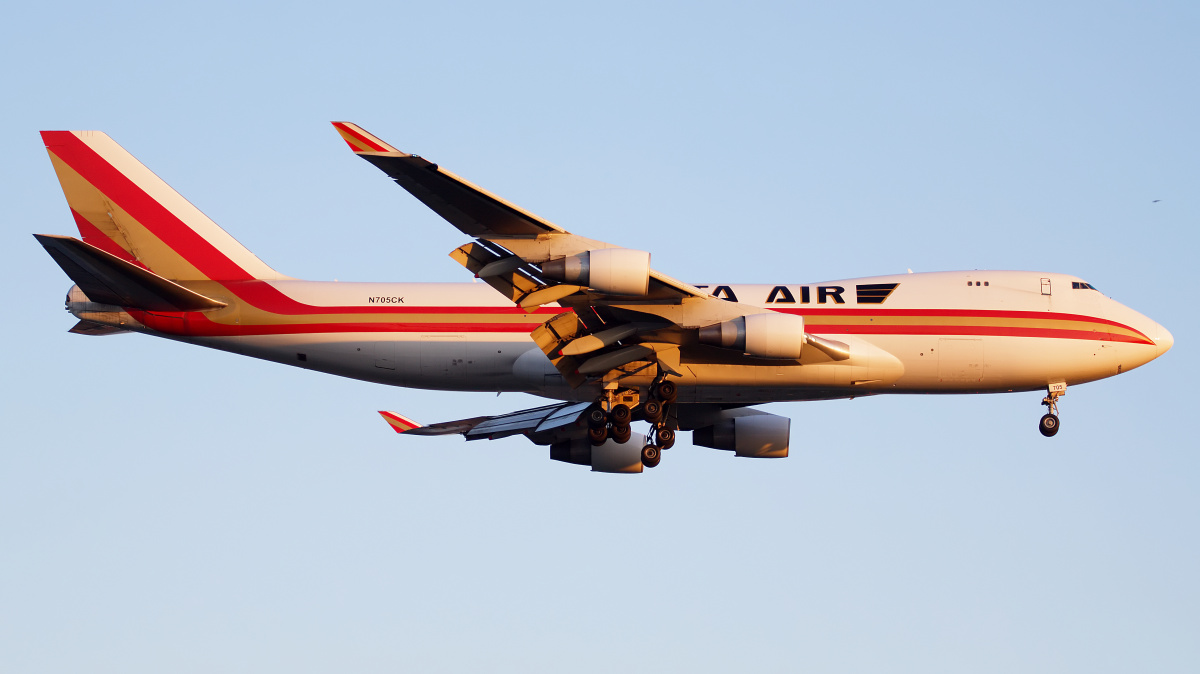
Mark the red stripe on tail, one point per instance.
(155, 217)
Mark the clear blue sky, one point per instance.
(166, 508)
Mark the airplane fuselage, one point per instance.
(944, 332)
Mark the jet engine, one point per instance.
(617, 271)
(611, 457)
(770, 335)
(748, 433)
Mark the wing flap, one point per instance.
(512, 283)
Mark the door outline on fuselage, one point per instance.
(960, 359)
(385, 355)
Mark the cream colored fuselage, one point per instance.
(945, 332)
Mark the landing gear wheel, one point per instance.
(598, 436)
(621, 434)
(596, 418)
(652, 410)
(1048, 425)
(666, 438)
(651, 456)
(666, 391)
(620, 415)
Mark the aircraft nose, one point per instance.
(1162, 339)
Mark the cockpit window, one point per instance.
(1076, 285)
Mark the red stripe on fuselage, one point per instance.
(958, 313)
(988, 330)
(262, 295)
(199, 325)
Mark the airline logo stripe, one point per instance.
(874, 293)
(359, 140)
(399, 423)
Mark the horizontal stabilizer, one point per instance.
(97, 329)
(107, 279)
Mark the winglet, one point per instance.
(359, 140)
(401, 424)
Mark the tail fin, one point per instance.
(122, 208)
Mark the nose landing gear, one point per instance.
(1049, 422)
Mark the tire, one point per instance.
(597, 436)
(620, 415)
(666, 438)
(652, 410)
(596, 418)
(651, 456)
(667, 391)
(1048, 425)
(621, 434)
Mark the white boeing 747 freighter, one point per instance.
(576, 320)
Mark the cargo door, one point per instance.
(443, 356)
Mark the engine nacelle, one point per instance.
(770, 335)
(611, 457)
(617, 271)
(753, 434)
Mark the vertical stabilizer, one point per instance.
(122, 208)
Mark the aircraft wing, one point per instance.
(543, 425)
(628, 321)
(471, 209)
(481, 214)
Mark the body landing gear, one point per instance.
(1049, 422)
(609, 418)
(655, 410)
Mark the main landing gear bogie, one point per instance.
(610, 420)
(655, 410)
